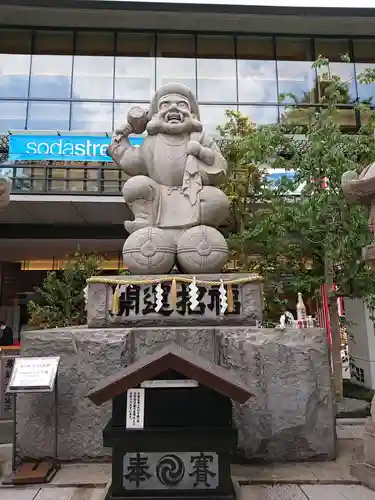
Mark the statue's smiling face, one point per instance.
(173, 117)
(174, 109)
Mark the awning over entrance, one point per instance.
(26, 250)
(65, 209)
(45, 226)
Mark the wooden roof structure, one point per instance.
(172, 357)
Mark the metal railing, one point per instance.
(7, 357)
(65, 179)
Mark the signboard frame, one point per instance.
(37, 471)
(52, 363)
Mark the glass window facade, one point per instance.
(87, 80)
(14, 75)
(50, 77)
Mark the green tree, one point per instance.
(249, 152)
(303, 242)
(61, 296)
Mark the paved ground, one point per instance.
(336, 472)
(53, 494)
(306, 492)
(286, 481)
(71, 476)
(258, 492)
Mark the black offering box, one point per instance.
(171, 431)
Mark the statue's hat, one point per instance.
(173, 88)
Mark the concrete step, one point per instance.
(5, 459)
(6, 430)
(350, 428)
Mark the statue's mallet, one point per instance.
(137, 118)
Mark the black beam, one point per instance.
(55, 231)
(198, 8)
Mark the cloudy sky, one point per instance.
(280, 3)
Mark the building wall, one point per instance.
(87, 80)
(84, 80)
(60, 79)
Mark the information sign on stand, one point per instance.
(34, 375)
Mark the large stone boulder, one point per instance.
(291, 416)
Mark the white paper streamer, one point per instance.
(86, 295)
(282, 322)
(193, 295)
(159, 297)
(223, 298)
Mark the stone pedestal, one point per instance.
(369, 442)
(361, 342)
(290, 417)
(137, 302)
(364, 466)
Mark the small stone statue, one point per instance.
(86, 295)
(172, 190)
(5, 187)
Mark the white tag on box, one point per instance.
(135, 409)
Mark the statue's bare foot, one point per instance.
(133, 225)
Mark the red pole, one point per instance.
(327, 323)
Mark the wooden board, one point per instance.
(34, 472)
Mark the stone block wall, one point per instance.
(291, 416)
(248, 299)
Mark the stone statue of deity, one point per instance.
(361, 189)
(172, 187)
(5, 186)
